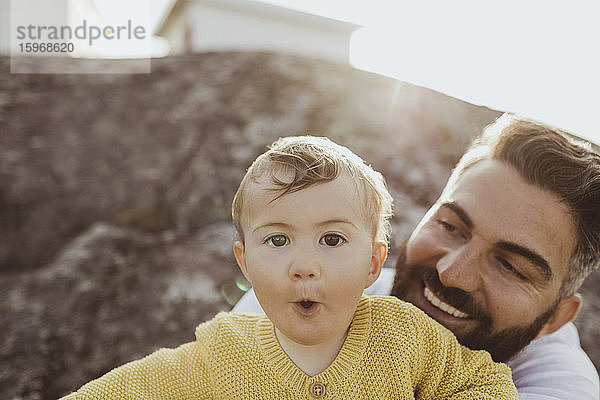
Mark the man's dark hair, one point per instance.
(549, 159)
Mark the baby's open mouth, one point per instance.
(307, 308)
(307, 303)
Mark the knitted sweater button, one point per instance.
(317, 389)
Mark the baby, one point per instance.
(313, 224)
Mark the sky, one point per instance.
(540, 59)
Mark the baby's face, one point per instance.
(309, 255)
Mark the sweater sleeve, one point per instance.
(481, 378)
(449, 370)
(180, 373)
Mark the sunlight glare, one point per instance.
(538, 62)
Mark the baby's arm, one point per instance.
(448, 370)
(179, 373)
(482, 378)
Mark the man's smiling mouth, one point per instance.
(447, 308)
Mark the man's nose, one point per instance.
(304, 265)
(460, 266)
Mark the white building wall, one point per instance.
(222, 27)
(174, 31)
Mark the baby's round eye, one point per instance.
(332, 240)
(277, 240)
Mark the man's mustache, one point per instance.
(454, 297)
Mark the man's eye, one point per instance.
(277, 240)
(332, 240)
(448, 227)
(509, 267)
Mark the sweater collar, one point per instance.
(342, 368)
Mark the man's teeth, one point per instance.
(443, 306)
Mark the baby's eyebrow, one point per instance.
(284, 225)
(337, 221)
(272, 225)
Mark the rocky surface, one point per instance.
(115, 193)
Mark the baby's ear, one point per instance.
(378, 257)
(240, 256)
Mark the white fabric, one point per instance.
(382, 286)
(553, 367)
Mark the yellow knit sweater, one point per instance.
(393, 351)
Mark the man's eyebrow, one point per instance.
(537, 260)
(459, 211)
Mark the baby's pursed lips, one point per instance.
(306, 303)
(307, 307)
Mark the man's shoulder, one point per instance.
(383, 284)
(555, 364)
(559, 348)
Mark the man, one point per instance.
(499, 257)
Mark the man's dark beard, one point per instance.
(502, 345)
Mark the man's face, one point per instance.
(488, 259)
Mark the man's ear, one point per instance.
(240, 257)
(565, 312)
(378, 257)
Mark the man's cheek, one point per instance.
(416, 250)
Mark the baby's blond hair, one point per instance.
(314, 160)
